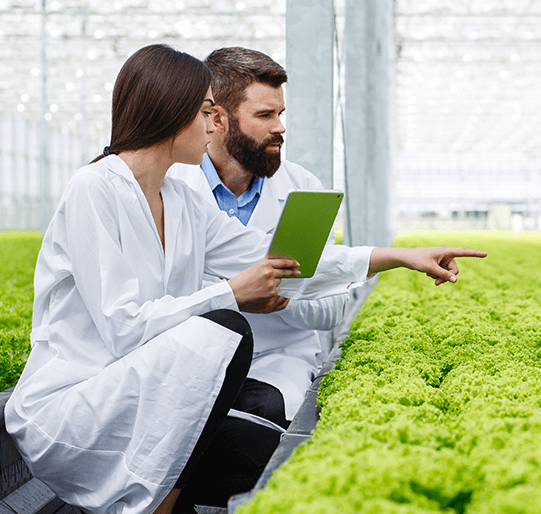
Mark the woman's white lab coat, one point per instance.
(123, 372)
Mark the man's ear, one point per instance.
(219, 117)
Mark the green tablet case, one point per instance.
(304, 227)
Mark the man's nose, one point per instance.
(278, 127)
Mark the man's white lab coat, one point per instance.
(286, 343)
(123, 372)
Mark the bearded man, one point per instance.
(245, 175)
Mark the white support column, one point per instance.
(45, 174)
(309, 65)
(369, 65)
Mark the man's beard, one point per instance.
(250, 154)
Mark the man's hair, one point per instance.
(235, 68)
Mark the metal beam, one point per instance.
(369, 61)
(45, 176)
(309, 64)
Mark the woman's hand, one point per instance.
(437, 262)
(255, 288)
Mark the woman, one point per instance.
(132, 366)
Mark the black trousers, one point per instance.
(263, 400)
(231, 453)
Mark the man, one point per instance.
(245, 175)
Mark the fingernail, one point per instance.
(452, 279)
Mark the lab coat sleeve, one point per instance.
(323, 314)
(108, 286)
(340, 268)
(231, 247)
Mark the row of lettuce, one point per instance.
(435, 404)
(18, 254)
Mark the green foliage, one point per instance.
(435, 404)
(18, 253)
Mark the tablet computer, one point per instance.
(304, 227)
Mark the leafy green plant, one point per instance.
(435, 403)
(18, 253)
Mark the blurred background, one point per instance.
(457, 118)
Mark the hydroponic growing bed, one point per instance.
(435, 404)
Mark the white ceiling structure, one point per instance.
(468, 76)
(86, 42)
(468, 107)
(466, 81)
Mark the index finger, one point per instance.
(467, 252)
(282, 262)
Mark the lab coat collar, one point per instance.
(271, 202)
(195, 178)
(117, 166)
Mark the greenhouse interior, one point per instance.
(426, 114)
(464, 110)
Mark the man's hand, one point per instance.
(260, 283)
(274, 304)
(437, 262)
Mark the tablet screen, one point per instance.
(304, 227)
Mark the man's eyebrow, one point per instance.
(270, 109)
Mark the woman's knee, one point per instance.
(235, 322)
(230, 319)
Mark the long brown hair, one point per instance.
(157, 93)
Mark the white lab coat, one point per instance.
(123, 373)
(286, 343)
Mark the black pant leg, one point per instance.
(234, 378)
(263, 400)
(231, 464)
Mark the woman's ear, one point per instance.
(219, 117)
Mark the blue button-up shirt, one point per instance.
(241, 207)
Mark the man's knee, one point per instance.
(263, 400)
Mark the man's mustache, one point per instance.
(274, 140)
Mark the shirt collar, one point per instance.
(214, 181)
(210, 172)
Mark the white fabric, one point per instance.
(234, 413)
(286, 343)
(123, 374)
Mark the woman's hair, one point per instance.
(235, 68)
(157, 93)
